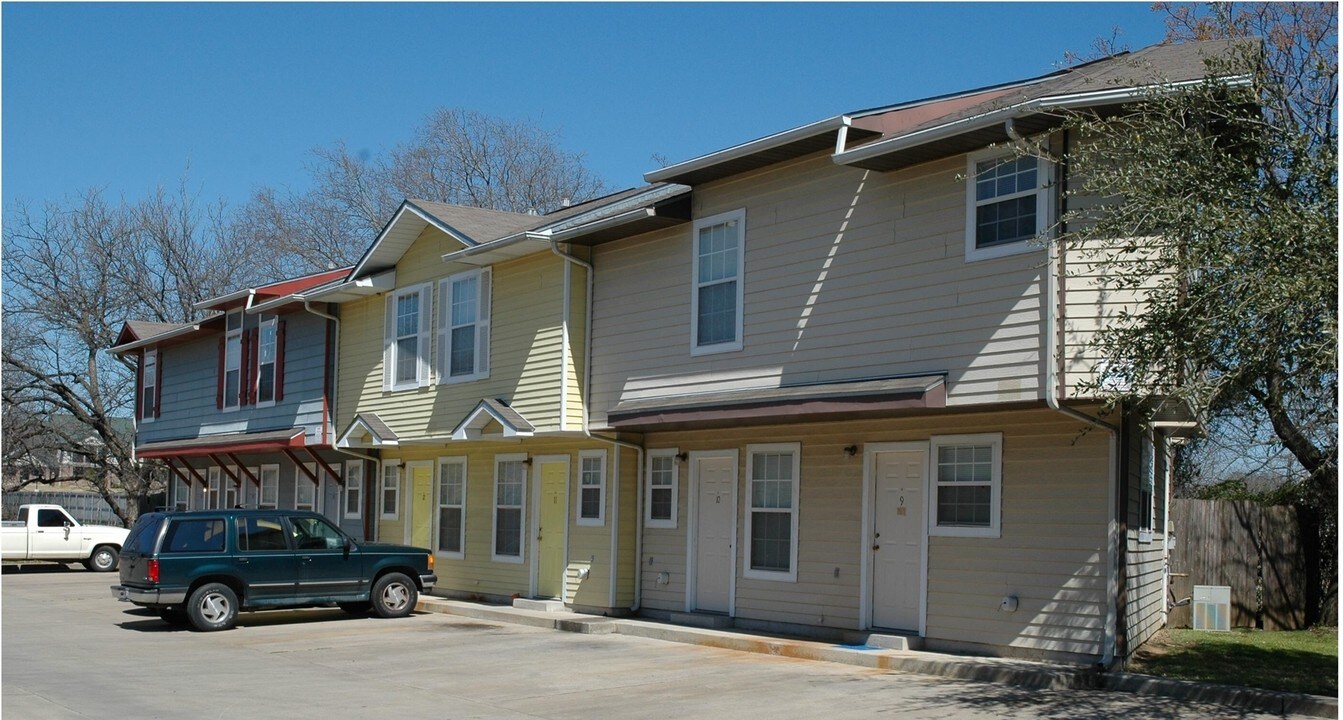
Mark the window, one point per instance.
(181, 494)
(266, 361)
(406, 338)
(232, 385)
(270, 487)
(592, 487)
(967, 477)
(663, 472)
(52, 519)
(212, 488)
(771, 523)
(314, 533)
(354, 489)
(305, 490)
(464, 326)
(1147, 489)
(391, 490)
(149, 392)
(451, 505)
(194, 535)
(716, 302)
(510, 481)
(260, 534)
(230, 496)
(1007, 203)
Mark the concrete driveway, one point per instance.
(69, 650)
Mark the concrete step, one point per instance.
(891, 641)
(549, 606)
(710, 621)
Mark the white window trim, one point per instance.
(301, 477)
(149, 378)
(273, 322)
(600, 520)
(994, 528)
(213, 487)
(261, 491)
(438, 506)
(1147, 483)
(481, 364)
(494, 513)
(237, 399)
(354, 483)
(423, 338)
(749, 507)
(392, 467)
(227, 483)
(181, 494)
(695, 348)
(649, 520)
(1044, 206)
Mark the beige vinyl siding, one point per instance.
(848, 274)
(578, 328)
(526, 333)
(1052, 553)
(1089, 306)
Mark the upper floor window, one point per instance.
(233, 352)
(716, 301)
(267, 346)
(464, 326)
(149, 385)
(967, 481)
(1007, 203)
(406, 338)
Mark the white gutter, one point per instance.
(765, 143)
(156, 339)
(613, 221)
(458, 255)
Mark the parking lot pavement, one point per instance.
(70, 650)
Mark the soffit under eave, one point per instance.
(765, 157)
(959, 144)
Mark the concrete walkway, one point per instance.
(1022, 673)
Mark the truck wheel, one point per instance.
(213, 606)
(103, 559)
(394, 596)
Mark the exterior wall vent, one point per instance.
(1212, 607)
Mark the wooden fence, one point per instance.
(1257, 551)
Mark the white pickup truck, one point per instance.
(47, 532)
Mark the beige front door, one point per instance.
(421, 504)
(552, 522)
(715, 481)
(897, 539)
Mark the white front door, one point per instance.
(897, 539)
(715, 481)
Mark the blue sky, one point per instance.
(127, 96)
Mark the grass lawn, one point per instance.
(1300, 661)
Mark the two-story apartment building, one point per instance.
(238, 404)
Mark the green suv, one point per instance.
(204, 566)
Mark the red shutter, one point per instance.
(256, 365)
(219, 382)
(140, 386)
(279, 361)
(244, 367)
(158, 380)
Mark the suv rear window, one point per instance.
(193, 535)
(143, 534)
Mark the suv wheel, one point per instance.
(213, 606)
(394, 596)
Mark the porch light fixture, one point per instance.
(527, 462)
(851, 450)
(683, 456)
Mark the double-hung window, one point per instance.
(306, 496)
(270, 487)
(510, 483)
(1007, 203)
(406, 332)
(967, 480)
(591, 487)
(212, 483)
(149, 384)
(464, 326)
(771, 520)
(233, 380)
(390, 498)
(181, 495)
(451, 506)
(266, 357)
(662, 488)
(716, 300)
(354, 489)
(1147, 490)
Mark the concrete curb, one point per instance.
(1007, 671)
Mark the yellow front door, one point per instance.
(421, 510)
(550, 529)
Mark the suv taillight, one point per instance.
(153, 570)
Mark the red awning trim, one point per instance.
(240, 443)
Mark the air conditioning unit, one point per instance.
(1212, 607)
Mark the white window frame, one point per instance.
(271, 323)
(391, 470)
(749, 509)
(213, 485)
(1146, 487)
(480, 368)
(1044, 205)
(181, 495)
(149, 378)
(233, 356)
(439, 505)
(522, 511)
(271, 487)
(738, 216)
(600, 487)
(391, 348)
(994, 528)
(229, 485)
(300, 478)
(675, 488)
(354, 490)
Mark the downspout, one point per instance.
(1055, 315)
(617, 443)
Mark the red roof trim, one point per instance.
(241, 446)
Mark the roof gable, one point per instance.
(469, 226)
